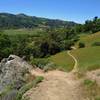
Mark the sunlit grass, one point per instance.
(63, 61)
(88, 58)
(89, 39)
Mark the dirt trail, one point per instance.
(75, 68)
(57, 85)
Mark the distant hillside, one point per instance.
(24, 21)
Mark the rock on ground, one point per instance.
(12, 71)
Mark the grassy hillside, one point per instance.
(89, 39)
(88, 58)
(63, 61)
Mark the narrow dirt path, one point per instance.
(75, 68)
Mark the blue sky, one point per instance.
(72, 10)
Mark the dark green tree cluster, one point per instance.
(90, 26)
(57, 41)
(50, 43)
(5, 46)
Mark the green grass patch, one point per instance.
(97, 98)
(62, 61)
(88, 58)
(89, 83)
(89, 39)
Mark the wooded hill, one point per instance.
(24, 21)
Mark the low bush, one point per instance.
(49, 66)
(81, 45)
(39, 62)
(96, 44)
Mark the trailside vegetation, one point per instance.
(40, 46)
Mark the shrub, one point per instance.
(49, 66)
(5, 46)
(39, 62)
(81, 45)
(96, 44)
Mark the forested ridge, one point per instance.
(24, 21)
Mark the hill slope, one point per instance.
(24, 21)
(89, 39)
(88, 58)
